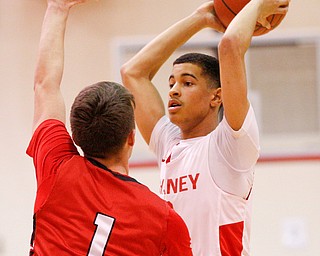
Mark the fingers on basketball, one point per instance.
(226, 10)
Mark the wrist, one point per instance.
(199, 20)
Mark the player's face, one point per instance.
(189, 104)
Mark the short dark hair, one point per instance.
(101, 118)
(208, 64)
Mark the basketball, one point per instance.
(226, 10)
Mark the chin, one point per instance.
(174, 120)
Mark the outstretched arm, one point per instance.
(138, 72)
(48, 101)
(232, 48)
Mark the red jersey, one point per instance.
(83, 208)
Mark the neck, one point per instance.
(199, 130)
(114, 164)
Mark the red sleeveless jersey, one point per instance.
(83, 208)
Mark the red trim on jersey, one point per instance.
(168, 159)
(231, 239)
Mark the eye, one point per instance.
(188, 83)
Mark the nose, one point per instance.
(175, 90)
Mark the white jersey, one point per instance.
(208, 180)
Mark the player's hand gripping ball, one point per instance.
(226, 10)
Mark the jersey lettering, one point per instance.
(179, 184)
(104, 225)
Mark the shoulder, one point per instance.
(46, 129)
(164, 123)
(249, 125)
(164, 130)
(178, 237)
(49, 126)
(51, 138)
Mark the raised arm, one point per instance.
(48, 101)
(138, 72)
(232, 48)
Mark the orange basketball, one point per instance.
(226, 10)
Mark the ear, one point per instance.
(216, 99)
(132, 138)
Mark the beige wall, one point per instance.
(286, 193)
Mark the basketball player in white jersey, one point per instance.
(207, 166)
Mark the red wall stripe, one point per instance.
(262, 159)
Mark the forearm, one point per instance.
(48, 101)
(242, 27)
(50, 62)
(232, 48)
(148, 61)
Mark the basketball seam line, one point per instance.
(229, 8)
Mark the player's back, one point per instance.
(93, 211)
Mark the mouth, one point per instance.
(173, 105)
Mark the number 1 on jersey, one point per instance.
(104, 225)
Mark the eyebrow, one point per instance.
(185, 74)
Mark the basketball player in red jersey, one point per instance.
(207, 166)
(88, 205)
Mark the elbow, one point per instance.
(45, 83)
(131, 76)
(38, 82)
(127, 75)
(45, 79)
(229, 44)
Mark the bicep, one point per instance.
(48, 104)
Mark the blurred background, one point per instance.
(284, 80)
